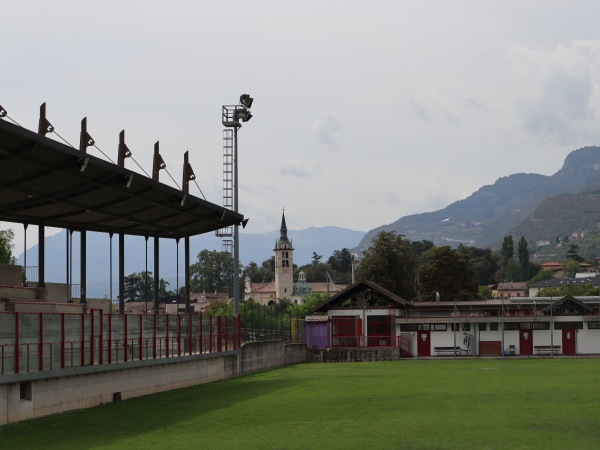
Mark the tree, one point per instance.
(587, 290)
(390, 262)
(484, 262)
(573, 253)
(133, 288)
(421, 247)
(7, 247)
(449, 273)
(139, 287)
(341, 260)
(571, 267)
(213, 272)
(541, 276)
(523, 255)
(508, 251)
(315, 273)
(316, 258)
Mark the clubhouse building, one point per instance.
(367, 315)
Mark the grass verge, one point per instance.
(495, 404)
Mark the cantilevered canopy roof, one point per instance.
(43, 182)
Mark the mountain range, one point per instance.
(510, 206)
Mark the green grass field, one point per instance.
(537, 403)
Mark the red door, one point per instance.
(568, 341)
(525, 342)
(423, 344)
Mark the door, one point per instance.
(568, 341)
(525, 342)
(423, 343)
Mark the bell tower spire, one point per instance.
(284, 263)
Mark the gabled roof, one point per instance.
(338, 298)
(512, 285)
(561, 282)
(262, 287)
(567, 305)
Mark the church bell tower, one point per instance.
(284, 264)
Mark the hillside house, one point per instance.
(510, 289)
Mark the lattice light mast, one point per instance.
(232, 118)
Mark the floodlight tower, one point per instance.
(232, 118)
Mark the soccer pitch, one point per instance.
(416, 404)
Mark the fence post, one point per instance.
(62, 340)
(125, 343)
(92, 337)
(41, 344)
(210, 335)
(178, 334)
(201, 329)
(101, 352)
(110, 316)
(82, 339)
(154, 337)
(219, 334)
(190, 333)
(167, 336)
(141, 337)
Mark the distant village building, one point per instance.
(175, 304)
(534, 288)
(585, 269)
(284, 286)
(511, 289)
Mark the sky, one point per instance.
(364, 112)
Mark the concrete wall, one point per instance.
(353, 354)
(10, 275)
(36, 394)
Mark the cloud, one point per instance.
(298, 168)
(560, 89)
(419, 110)
(327, 131)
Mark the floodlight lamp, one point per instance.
(2, 112)
(246, 101)
(243, 115)
(128, 179)
(83, 162)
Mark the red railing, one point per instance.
(31, 342)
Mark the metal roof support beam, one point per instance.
(121, 273)
(158, 163)
(44, 126)
(83, 264)
(187, 274)
(156, 274)
(123, 149)
(41, 255)
(85, 140)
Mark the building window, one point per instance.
(25, 390)
(594, 325)
(568, 325)
(493, 326)
(511, 326)
(482, 326)
(541, 325)
(439, 327)
(461, 327)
